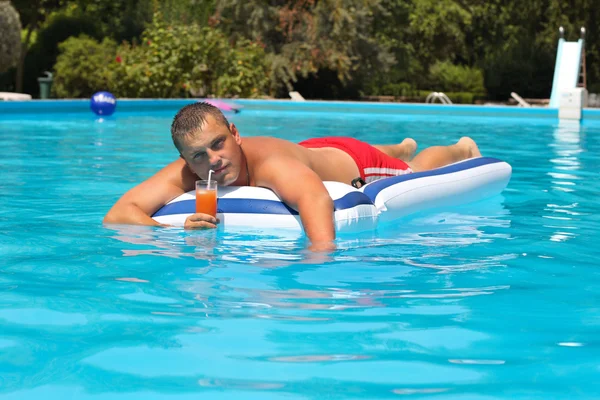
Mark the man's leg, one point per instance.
(438, 156)
(404, 151)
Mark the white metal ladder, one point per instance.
(431, 97)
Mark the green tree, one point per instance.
(186, 12)
(332, 48)
(515, 42)
(504, 42)
(10, 36)
(116, 19)
(305, 37)
(437, 30)
(49, 22)
(174, 60)
(572, 16)
(42, 54)
(33, 14)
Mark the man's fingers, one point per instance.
(199, 225)
(203, 217)
(201, 221)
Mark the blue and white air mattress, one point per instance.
(356, 209)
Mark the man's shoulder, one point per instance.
(179, 174)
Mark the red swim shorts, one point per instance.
(372, 163)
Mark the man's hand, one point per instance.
(200, 221)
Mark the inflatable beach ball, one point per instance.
(103, 103)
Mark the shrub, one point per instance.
(462, 97)
(445, 76)
(246, 73)
(84, 66)
(171, 61)
(402, 89)
(174, 61)
(10, 36)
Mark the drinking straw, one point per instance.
(208, 182)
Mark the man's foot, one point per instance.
(405, 150)
(469, 146)
(408, 148)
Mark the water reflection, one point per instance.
(266, 276)
(140, 307)
(565, 164)
(478, 223)
(266, 248)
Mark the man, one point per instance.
(295, 172)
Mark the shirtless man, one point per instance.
(295, 172)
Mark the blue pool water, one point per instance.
(490, 301)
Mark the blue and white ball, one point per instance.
(103, 104)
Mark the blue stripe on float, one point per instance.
(350, 200)
(256, 206)
(373, 188)
(238, 206)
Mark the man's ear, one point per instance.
(236, 134)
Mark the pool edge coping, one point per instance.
(140, 105)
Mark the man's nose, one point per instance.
(213, 157)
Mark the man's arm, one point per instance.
(300, 187)
(138, 204)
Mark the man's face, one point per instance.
(213, 147)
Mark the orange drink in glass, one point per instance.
(206, 197)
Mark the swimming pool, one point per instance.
(493, 300)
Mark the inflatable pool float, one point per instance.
(355, 209)
(223, 106)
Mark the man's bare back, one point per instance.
(329, 163)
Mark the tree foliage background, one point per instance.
(327, 49)
(10, 36)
